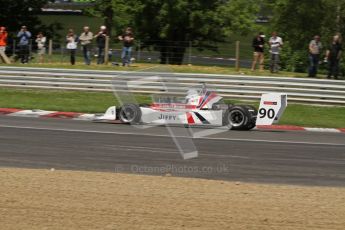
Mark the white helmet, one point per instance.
(192, 94)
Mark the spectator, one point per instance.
(333, 55)
(315, 47)
(3, 39)
(85, 41)
(128, 40)
(100, 40)
(258, 45)
(275, 43)
(41, 46)
(24, 44)
(72, 42)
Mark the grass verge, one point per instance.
(172, 68)
(95, 102)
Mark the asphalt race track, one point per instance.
(307, 158)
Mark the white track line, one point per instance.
(327, 130)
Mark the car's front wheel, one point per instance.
(130, 113)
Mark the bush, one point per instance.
(294, 61)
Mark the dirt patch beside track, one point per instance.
(43, 199)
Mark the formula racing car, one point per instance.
(200, 107)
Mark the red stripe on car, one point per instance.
(190, 118)
(213, 95)
(270, 103)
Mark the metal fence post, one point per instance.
(139, 51)
(190, 53)
(50, 49)
(30, 50)
(106, 51)
(237, 65)
(14, 48)
(62, 52)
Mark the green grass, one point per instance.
(314, 116)
(173, 68)
(87, 102)
(91, 102)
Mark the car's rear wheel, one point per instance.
(130, 113)
(237, 118)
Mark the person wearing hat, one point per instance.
(100, 40)
(258, 45)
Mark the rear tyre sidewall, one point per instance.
(237, 118)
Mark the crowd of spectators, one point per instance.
(332, 52)
(73, 40)
(332, 55)
(86, 38)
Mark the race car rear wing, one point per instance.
(272, 107)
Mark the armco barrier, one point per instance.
(302, 90)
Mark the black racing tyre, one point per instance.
(251, 125)
(237, 118)
(130, 113)
(253, 112)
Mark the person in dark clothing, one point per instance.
(101, 40)
(24, 44)
(258, 45)
(128, 40)
(333, 55)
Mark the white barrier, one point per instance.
(302, 90)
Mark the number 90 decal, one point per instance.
(270, 113)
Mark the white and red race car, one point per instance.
(200, 107)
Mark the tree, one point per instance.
(15, 13)
(334, 20)
(115, 13)
(170, 25)
(298, 21)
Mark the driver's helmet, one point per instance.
(192, 94)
